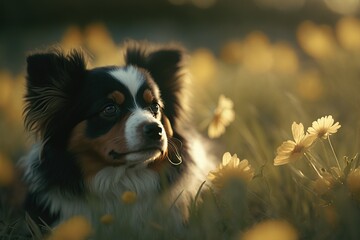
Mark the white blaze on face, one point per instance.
(136, 142)
(130, 77)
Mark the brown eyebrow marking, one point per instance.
(118, 97)
(148, 96)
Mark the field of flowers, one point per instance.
(285, 120)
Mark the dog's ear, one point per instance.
(167, 66)
(53, 79)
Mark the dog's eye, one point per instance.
(110, 110)
(155, 108)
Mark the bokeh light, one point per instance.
(310, 86)
(316, 40)
(7, 171)
(348, 33)
(343, 6)
(232, 52)
(203, 66)
(257, 53)
(75, 228)
(271, 230)
(72, 38)
(285, 58)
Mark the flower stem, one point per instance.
(297, 171)
(315, 161)
(313, 165)
(333, 151)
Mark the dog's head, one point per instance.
(107, 116)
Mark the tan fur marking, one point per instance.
(148, 96)
(167, 126)
(118, 97)
(158, 165)
(93, 154)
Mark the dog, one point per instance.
(105, 131)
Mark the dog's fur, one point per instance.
(108, 130)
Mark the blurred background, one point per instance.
(257, 66)
(278, 61)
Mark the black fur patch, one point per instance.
(53, 81)
(167, 67)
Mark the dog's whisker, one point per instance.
(174, 163)
(177, 153)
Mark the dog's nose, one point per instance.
(153, 131)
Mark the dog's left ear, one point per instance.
(167, 66)
(53, 80)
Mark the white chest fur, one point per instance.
(105, 192)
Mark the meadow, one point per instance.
(284, 117)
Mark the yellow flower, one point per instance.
(223, 116)
(230, 168)
(353, 183)
(271, 230)
(324, 127)
(75, 228)
(128, 197)
(293, 150)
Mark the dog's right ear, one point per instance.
(53, 79)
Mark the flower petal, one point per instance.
(281, 160)
(226, 158)
(297, 131)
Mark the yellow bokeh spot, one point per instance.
(286, 60)
(203, 65)
(75, 228)
(6, 87)
(7, 171)
(11, 97)
(348, 33)
(310, 86)
(128, 197)
(98, 38)
(257, 52)
(331, 215)
(316, 40)
(353, 183)
(232, 52)
(101, 45)
(271, 230)
(107, 219)
(345, 7)
(72, 38)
